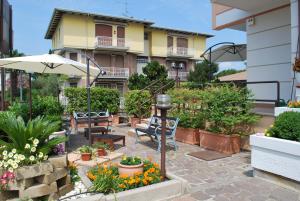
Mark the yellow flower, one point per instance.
(145, 182)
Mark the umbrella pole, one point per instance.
(88, 87)
(2, 89)
(30, 97)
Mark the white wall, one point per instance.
(269, 54)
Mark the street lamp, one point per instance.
(177, 68)
(163, 103)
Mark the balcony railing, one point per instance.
(180, 51)
(121, 42)
(106, 41)
(182, 75)
(115, 72)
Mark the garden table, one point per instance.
(110, 139)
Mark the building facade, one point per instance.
(272, 29)
(122, 46)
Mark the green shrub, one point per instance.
(188, 119)
(228, 109)
(286, 126)
(20, 109)
(138, 103)
(101, 99)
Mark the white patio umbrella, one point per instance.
(48, 63)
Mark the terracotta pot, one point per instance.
(86, 156)
(228, 144)
(187, 135)
(130, 170)
(134, 121)
(101, 152)
(115, 119)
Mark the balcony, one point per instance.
(115, 72)
(110, 43)
(183, 52)
(181, 74)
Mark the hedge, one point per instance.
(101, 99)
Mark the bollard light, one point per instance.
(163, 101)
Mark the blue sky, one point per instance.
(31, 19)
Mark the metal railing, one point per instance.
(116, 72)
(106, 41)
(181, 51)
(182, 75)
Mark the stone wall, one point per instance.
(45, 181)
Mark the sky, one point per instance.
(31, 19)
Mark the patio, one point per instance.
(224, 179)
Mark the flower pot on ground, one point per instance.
(228, 144)
(278, 152)
(101, 148)
(86, 153)
(130, 166)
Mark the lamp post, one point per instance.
(177, 68)
(163, 103)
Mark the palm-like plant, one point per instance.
(18, 133)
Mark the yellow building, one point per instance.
(122, 46)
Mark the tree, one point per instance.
(228, 72)
(155, 71)
(203, 73)
(137, 81)
(47, 85)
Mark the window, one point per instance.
(73, 56)
(146, 36)
(73, 84)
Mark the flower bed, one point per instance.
(106, 178)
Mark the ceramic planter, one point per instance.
(187, 135)
(86, 156)
(130, 170)
(101, 152)
(134, 121)
(228, 144)
(277, 156)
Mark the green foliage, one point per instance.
(138, 103)
(101, 145)
(137, 81)
(286, 126)
(47, 106)
(18, 133)
(101, 99)
(228, 109)
(228, 72)
(153, 72)
(47, 84)
(131, 160)
(203, 72)
(190, 120)
(86, 149)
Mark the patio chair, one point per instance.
(153, 130)
(82, 118)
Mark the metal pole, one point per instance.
(2, 89)
(88, 88)
(177, 78)
(21, 86)
(163, 142)
(30, 98)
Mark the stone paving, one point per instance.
(227, 179)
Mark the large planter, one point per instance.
(130, 170)
(134, 121)
(277, 156)
(279, 110)
(187, 135)
(228, 144)
(86, 156)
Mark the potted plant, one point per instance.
(101, 148)
(228, 113)
(291, 106)
(86, 152)
(129, 166)
(278, 150)
(137, 105)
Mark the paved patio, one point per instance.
(227, 179)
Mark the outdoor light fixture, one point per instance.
(163, 102)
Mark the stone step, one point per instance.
(38, 190)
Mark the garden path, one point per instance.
(227, 179)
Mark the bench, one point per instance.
(96, 118)
(153, 130)
(110, 139)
